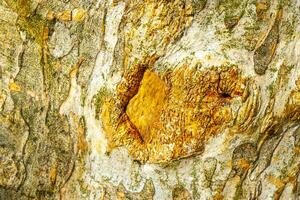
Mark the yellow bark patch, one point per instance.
(78, 14)
(297, 150)
(297, 82)
(65, 15)
(262, 6)
(53, 174)
(50, 15)
(145, 108)
(172, 114)
(275, 181)
(14, 87)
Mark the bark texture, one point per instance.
(153, 99)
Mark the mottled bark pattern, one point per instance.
(153, 99)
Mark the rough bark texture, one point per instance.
(153, 99)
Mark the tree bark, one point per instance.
(166, 99)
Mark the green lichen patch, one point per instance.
(99, 99)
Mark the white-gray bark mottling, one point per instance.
(63, 63)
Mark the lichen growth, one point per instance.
(99, 99)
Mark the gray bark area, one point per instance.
(59, 60)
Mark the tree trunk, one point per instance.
(166, 99)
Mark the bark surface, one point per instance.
(165, 99)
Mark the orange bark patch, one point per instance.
(172, 114)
